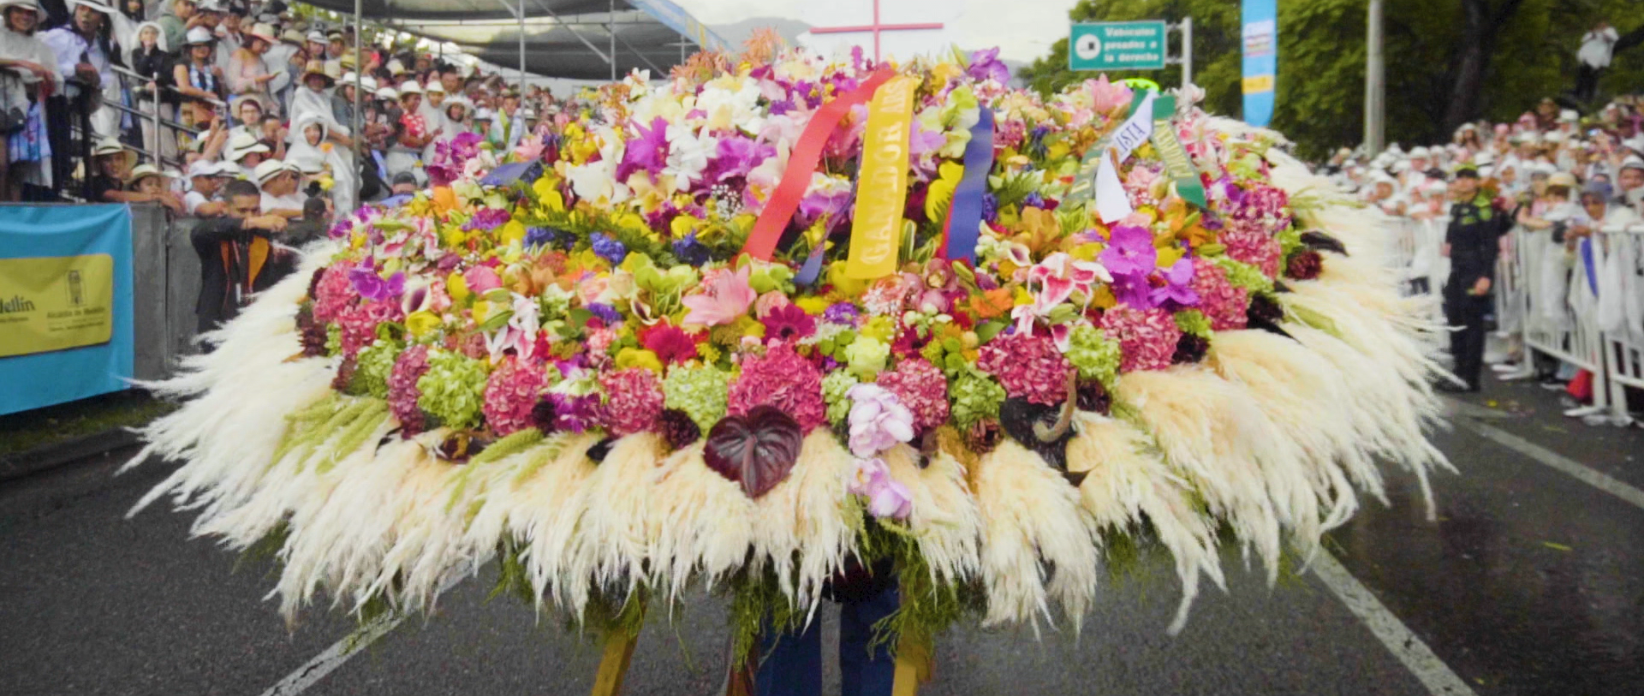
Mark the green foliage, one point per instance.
(1320, 101)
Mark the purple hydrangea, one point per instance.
(608, 248)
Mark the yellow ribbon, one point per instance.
(882, 182)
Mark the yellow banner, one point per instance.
(55, 303)
(1256, 84)
(882, 182)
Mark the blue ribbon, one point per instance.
(965, 215)
(1588, 261)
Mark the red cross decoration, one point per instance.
(876, 28)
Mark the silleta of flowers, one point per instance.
(564, 358)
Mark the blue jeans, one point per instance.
(792, 663)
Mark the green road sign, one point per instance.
(1117, 46)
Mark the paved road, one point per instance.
(1528, 583)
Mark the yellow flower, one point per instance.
(845, 285)
(420, 323)
(547, 189)
(453, 236)
(1040, 230)
(940, 193)
(812, 304)
(456, 287)
(683, 225)
(1169, 255)
(638, 357)
(482, 309)
(879, 327)
(750, 326)
(513, 232)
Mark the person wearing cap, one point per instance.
(247, 73)
(30, 67)
(237, 256)
(335, 47)
(1472, 242)
(205, 180)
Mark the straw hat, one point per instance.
(243, 144)
(434, 87)
(109, 147)
(369, 84)
(388, 93)
(140, 172)
(39, 12)
(92, 4)
(320, 69)
(292, 36)
(268, 169)
(395, 67)
(264, 32)
(1565, 179)
(410, 87)
(316, 37)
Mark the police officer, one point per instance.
(1471, 242)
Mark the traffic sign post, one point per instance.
(1142, 45)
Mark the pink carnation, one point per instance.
(332, 293)
(783, 379)
(402, 388)
(1147, 337)
(510, 394)
(1029, 366)
(634, 400)
(769, 302)
(1222, 303)
(922, 388)
(1253, 245)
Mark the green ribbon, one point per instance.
(1177, 164)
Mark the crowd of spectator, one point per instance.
(1553, 174)
(244, 90)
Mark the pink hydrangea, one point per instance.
(634, 400)
(512, 390)
(333, 293)
(359, 323)
(784, 379)
(1253, 245)
(922, 388)
(1147, 337)
(1221, 302)
(1029, 366)
(402, 388)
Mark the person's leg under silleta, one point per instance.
(866, 672)
(1471, 362)
(790, 664)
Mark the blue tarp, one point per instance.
(42, 379)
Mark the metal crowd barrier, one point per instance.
(1583, 307)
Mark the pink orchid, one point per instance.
(1108, 95)
(726, 300)
(529, 149)
(887, 497)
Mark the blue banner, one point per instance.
(66, 328)
(1261, 60)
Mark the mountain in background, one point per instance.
(735, 34)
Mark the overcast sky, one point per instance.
(1022, 29)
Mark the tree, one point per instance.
(1448, 61)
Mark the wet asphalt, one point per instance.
(1529, 582)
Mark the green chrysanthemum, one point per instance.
(373, 365)
(1244, 275)
(1094, 355)
(975, 396)
(701, 392)
(834, 387)
(453, 388)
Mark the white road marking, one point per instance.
(1416, 656)
(333, 657)
(1559, 462)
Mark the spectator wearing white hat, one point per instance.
(310, 153)
(1630, 184)
(148, 181)
(412, 135)
(83, 61)
(28, 78)
(205, 180)
(278, 183)
(342, 96)
(245, 151)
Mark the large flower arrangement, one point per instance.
(579, 371)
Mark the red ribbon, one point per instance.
(807, 153)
